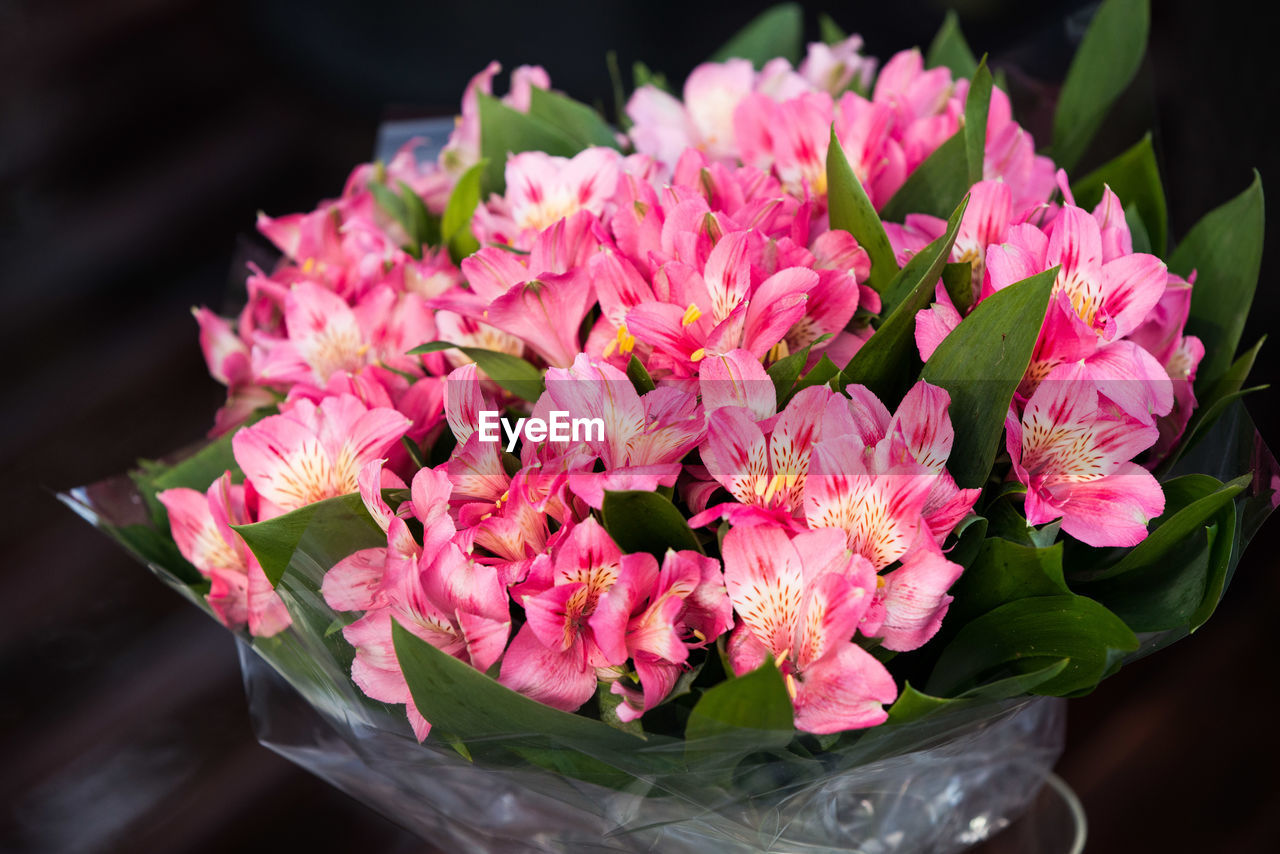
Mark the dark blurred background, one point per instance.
(138, 138)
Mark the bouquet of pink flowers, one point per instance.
(673, 478)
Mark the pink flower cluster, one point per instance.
(780, 119)
(703, 258)
(1111, 375)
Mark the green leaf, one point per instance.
(958, 280)
(639, 376)
(642, 75)
(912, 705)
(950, 50)
(1138, 231)
(1135, 178)
(886, 362)
(1225, 249)
(1172, 528)
(390, 203)
(506, 131)
(1175, 577)
(1101, 70)
(618, 89)
(472, 707)
(981, 363)
(976, 106)
(337, 526)
(1004, 571)
(1031, 633)
(823, 372)
(829, 30)
(937, 184)
(422, 225)
(777, 31)
(743, 715)
(642, 521)
(511, 372)
(851, 210)
(968, 536)
(455, 229)
(572, 118)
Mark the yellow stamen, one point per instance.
(309, 266)
(778, 352)
(791, 685)
(779, 483)
(691, 315)
(698, 355)
(624, 341)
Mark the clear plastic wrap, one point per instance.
(938, 783)
(973, 779)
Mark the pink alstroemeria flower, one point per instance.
(239, 591)
(311, 452)
(799, 601)
(655, 617)
(463, 150)
(763, 464)
(644, 437)
(555, 656)
(731, 304)
(541, 300)
(543, 189)
(434, 590)
(1073, 455)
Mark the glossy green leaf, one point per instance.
(511, 372)
(642, 521)
(472, 707)
(747, 714)
(639, 376)
(981, 363)
(958, 280)
(1225, 250)
(912, 705)
(887, 362)
(966, 540)
(1028, 634)
(936, 185)
(455, 229)
(976, 107)
(506, 131)
(777, 31)
(823, 372)
(950, 50)
(1170, 530)
(1135, 178)
(1105, 63)
(1004, 571)
(851, 211)
(573, 118)
(337, 526)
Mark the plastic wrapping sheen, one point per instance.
(938, 783)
